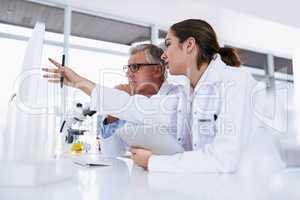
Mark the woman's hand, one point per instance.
(140, 156)
(71, 78)
(53, 75)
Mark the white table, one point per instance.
(124, 180)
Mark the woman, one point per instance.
(217, 106)
(219, 101)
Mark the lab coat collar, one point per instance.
(165, 86)
(213, 73)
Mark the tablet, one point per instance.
(92, 163)
(158, 139)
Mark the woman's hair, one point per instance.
(206, 40)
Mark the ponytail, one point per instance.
(206, 40)
(230, 56)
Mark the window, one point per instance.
(99, 67)
(110, 30)
(283, 68)
(161, 38)
(26, 14)
(283, 65)
(253, 59)
(162, 34)
(254, 62)
(100, 47)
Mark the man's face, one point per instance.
(145, 79)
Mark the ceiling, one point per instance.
(284, 12)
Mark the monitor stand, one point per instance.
(35, 173)
(290, 152)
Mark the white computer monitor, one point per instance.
(27, 134)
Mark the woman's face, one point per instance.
(174, 55)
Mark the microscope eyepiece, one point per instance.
(79, 105)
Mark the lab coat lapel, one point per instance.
(207, 91)
(213, 74)
(206, 103)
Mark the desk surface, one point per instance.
(124, 181)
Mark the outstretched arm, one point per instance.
(71, 78)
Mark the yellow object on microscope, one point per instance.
(77, 147)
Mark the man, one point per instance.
(146, 76)
(167, 107)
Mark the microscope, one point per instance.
(74, 118)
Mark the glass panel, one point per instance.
(109, 30)
(283, 65)
(26, 14)
(253, 59)
(99, 67)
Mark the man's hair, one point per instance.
(153, 54)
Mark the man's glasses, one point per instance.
(136, 66)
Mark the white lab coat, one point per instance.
(215, 145)
(168, 116)
(223, 92)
